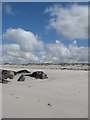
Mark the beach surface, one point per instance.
(63, 95)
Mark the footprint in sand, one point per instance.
(39, 101)
(12, 94)
(16, 97)
(29, 86)
(78, 91)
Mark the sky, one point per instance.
(44, 32)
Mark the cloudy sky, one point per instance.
(45, 32)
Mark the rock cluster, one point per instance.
(5, 74)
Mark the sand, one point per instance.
(63, 95)
(0, 101)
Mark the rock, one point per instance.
(49, 104)
(15, 72)
(39, 75)
(11, 75)
(21, 78)
(7, 74)
(4, 74)
(22, 71)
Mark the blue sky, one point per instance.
(31, 16)
(42, 20)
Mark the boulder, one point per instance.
(22, 71)
(39, 75)
(21, 78)
(11, 75)
(7, 74)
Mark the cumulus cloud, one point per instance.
(57, 53)
(57, 41)
(24, 50)
(13, 54)
(26, 39)
(70, 21)
(28, 48)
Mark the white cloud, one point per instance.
(57, 41)
(10, 52)
(57, 53)
(26, 39)
(70, 21)
(8, 10)
(74, 42)
(13, 54)
(30, 49)
(11, 47)
(25, 49)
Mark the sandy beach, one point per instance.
(63, 95)
(44, 59)
(0, 101)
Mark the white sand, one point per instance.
(0, 101)
(65, 90)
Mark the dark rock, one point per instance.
(15, 72)
(39, 75)
(22, 71)
(49, 104)
(21, 78)
(4, 74)
(7, 74)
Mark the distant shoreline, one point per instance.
(62, 63)
(64, 66)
